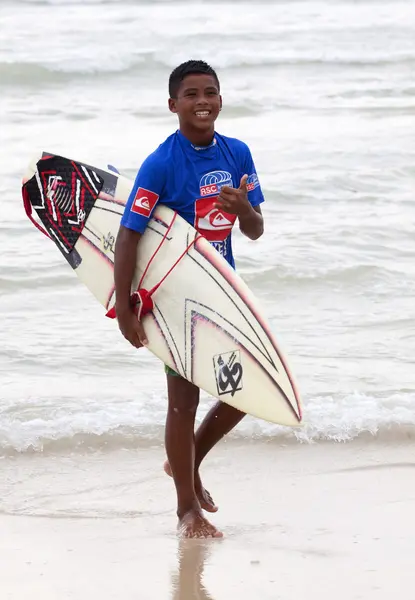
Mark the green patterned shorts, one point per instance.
(170, 371)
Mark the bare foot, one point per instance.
(204, 497)
(194, 525)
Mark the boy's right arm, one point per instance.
(125, 257)
(148, 187)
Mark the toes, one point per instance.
(210, 507)
(213, 534)
(205, 532)
(208, 503)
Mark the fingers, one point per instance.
(141, 334)
(226, 206)
(227, 200)
(133, 331)
(227, 189)
(242, 185)
(231, 194)
(228, 194)
(133, 338)
(136, 336)
(232, 203)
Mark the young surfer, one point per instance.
(210, 180)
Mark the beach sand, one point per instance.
(300, 521)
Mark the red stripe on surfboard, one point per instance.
(108, 198)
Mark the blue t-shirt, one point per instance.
(188, 179)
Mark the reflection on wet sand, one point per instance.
(187, 582)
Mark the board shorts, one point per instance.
(169, 371)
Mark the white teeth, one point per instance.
(203, 113)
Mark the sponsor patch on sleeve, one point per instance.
(144, 202)
(252, 182)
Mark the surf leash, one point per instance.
(141, 299)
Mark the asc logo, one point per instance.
(214, 224)
(213, 182)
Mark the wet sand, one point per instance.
(318, 522)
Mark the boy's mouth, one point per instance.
(202, 114)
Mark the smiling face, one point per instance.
(197, 105)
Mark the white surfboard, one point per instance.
(205, 324)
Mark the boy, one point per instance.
(192, 165)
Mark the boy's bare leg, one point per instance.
(219, 421)
(183, 400)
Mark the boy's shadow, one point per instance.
(187, 582)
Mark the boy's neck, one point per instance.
(198, 138)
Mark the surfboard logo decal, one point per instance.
(228, 372)
(108, 242)
(144, 202)
(63, 192)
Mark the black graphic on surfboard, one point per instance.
(228, 371)
(63, 192)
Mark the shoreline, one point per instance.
(90, 444)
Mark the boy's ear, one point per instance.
(172, 105)
(220, 105)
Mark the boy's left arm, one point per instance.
(251, 221)
(253, 225)
(245, 201)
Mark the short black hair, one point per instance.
(190, 67)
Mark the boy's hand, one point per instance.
(234, 200)
(131, 328)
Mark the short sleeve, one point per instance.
(255, 195)
(148, 187)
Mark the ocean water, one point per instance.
(324, 94)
